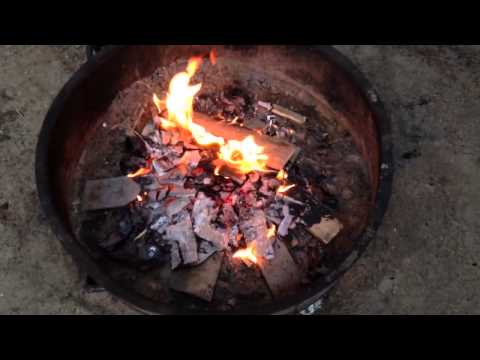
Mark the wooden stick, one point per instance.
(278, 152)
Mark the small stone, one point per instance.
(8, 94)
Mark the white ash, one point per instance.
(286, 222)
(173, 205)
(254, 228)
(182, 233)
(205, 250)
(160, 224)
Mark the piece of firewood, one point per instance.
(109, 193)
(278, 152)
(281, 273)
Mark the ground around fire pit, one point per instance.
(425, 258)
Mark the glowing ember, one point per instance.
(245, 156)
(272, 232)
(140, 172)
(247, 254)
(284, 188)
(282, 175)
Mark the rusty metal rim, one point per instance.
(292, 305)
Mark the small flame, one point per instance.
(247, 254)
(246, 155)
(213, 57)
(140, 172)
(282, 175)
(139, 198)
(272, 232)
(284, 188)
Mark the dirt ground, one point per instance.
(425, 259)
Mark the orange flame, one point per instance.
(139, 198)
(140, 172)
(272, 232)
(282, 175)
(284, 188)
(247, 254)
(245, 156)
(213, 57)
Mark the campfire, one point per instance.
(214, 184)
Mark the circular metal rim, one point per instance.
(288, 306)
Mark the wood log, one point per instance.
(278, 152)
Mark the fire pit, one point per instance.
(234, 179)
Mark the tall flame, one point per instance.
(180, 105)
(245, 156)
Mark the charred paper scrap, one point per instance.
(254, 228)
(326, 230)
(109, 193)
(281, 273)
(198, 281)
(203, 213)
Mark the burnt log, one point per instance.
(278, 152)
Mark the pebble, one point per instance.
(7, 93)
